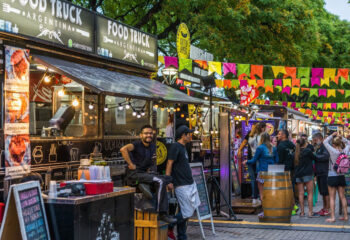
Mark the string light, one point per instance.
(134, 113)
(168, 110)
(178, 109)
(47, 79)
(120, 107)
(143, 113)
(182, 115)
(138, 115)
(106, 108)
(75, 103)
(60, 93)
(155, 106)
(162, 109)
(127, 106)
(91, 106)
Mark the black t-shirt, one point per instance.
(142, 156)
(285, 150)
(250, 154)
(181, 172)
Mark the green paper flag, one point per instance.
(314, 112)
(268, 82)
(303, 72)
(347, 93)
(297, 105)
(243, 68)
(340, 106)
(319, 105)
(185, 64)
(305, 82)
(313, 91)
(342, 81)
(279, 88)
(235, 84)
(337, 114)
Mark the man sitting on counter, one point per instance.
(140, 157)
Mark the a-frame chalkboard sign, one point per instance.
(204, 210)
(25, 216)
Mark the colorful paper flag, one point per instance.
(214, 67)
(256, 70)
(229, 68)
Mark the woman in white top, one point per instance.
(336, 182)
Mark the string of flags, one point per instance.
(283, 76)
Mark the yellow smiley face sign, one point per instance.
(162, 153)
(270, 129)
(183, 41)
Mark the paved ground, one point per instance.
(224, 233)
(301, 228)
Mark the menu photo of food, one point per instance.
(17, 150)
(16, 69)
(16, 107)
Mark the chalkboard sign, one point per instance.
(347, 188)
(198, 176)
(25, 216)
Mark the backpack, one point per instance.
(342, 164)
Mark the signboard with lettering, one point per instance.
(55, 21)
(204, 210)
(119, 41)
(25, 216)
(183, 41)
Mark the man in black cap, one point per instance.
(185, 188)
(140, 157)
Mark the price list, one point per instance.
(32, 214)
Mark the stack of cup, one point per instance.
(53, 189)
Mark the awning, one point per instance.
(114, 83)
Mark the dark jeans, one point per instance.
(181, 226)
(156, 181)
(253, 183)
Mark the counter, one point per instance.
(98, 217)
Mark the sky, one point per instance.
(339, 7)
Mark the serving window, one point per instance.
(61, 107)
(124, 116)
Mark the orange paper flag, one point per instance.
(269, 89)
(260, 83)
(296, 82)
(256, 70)
(291, 72)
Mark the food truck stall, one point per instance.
(75, 86)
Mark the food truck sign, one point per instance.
(55, 21)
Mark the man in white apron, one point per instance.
(185, 188)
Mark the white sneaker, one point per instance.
(256, 201)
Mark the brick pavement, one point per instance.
(225, 233)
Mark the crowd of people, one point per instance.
(321, 160)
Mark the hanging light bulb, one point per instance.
(205, 98)
(127, 106)
(138, 115)
(178, 109)
(143, 113)
(187, 119)
(182, 115)
(120, 107)
(168, 110)
(134, 113)
(60, 93)
(162, 109)
(236, 122)
(196, 131)
(106, 108)
(155, 106)
(91, 106)
(174, 110)
(211, 132)
(75, 103)
(47, 79)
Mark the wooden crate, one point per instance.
(147, 227)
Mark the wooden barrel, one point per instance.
(277, 197)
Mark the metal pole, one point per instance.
(210, 130)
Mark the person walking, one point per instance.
(336, 146)
(265, 154)
(179, 169)
(304, 175)
(286, 150)
(252, 167)
(321, 171)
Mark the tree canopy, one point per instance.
(270, 32)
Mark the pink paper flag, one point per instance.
(315, 104)
(171, 61)
(243, 83)
(333, 106)
(317, 72)
(267, 102)
(229, 68)
(315, 81)
(319, 113)
(322, 92)
(277, 82)
(286, 90)
(284, 104)
(293, 105)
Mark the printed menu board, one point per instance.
(55, 21)
(25, 216)
(199, 178)
(119, 41)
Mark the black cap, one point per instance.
(181, 130)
